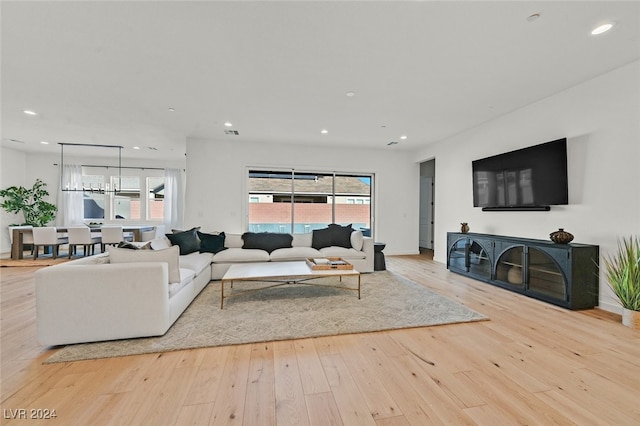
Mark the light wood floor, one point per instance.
(532, 363)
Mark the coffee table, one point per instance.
(281, 273)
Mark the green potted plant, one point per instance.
(29, 201)
(623, 273)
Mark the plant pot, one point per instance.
(631, 318)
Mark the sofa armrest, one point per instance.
(84, 303)
(367, 247)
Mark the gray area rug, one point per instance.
(388, 302)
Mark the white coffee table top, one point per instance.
(245, 271)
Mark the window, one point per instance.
(94, 201)
(155, 200)
(299, 202)
(128, 203)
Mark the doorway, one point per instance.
(427, 204)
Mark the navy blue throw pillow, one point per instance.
(211, 243)
(321, 238)
(268, 241)
(187, 241)
(340, 235)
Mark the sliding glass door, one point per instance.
(299, 202)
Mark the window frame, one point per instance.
(331, 198)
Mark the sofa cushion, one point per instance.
(267, 241)
(233, 241)
(302, 240)
(160, 243)
(294, 253)
(169, 256)
(235, 254)
(345, 253)
(357, 240)
(187, 241)
(211, 243)
(196, 262)
(186, 276)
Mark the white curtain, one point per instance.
(70, 203)
(173, 197)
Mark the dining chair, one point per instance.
(148, 235)
(113, 235)
(47, 236)
(27, 235)
(81, 236)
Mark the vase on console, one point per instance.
(561, 236)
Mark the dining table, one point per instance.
(17, 247)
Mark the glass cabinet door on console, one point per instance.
(471, 256)
(544, 276)
(458, 255)
(510, 266)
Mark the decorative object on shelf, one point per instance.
(514, 276)
(561, 236)
(464, 227)
(623, 274)
(101, 189)
(30, 201)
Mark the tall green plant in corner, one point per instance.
(623, 274)
(29, 201)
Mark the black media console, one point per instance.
(563, 274)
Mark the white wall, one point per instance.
(217, 178)
(601, 120)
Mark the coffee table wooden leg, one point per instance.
(358, 286)
(221, 294)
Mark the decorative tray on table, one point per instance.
(326, 263)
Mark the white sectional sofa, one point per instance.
(128, 293)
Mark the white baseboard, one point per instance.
(610, 306)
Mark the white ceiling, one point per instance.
(108, 72)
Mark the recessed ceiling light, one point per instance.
(136, 147)
(228, 124)
(172, 109)
(324, 131)
(602, 28)
(351, 94)
(403, 137)
(29, 112)
(44, 142)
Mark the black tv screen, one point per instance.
(531, 177)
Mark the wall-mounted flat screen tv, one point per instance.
(531, 178)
